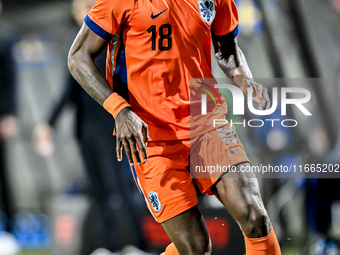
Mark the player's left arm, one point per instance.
(232, 61)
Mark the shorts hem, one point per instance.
(235, 161)
(177, 212)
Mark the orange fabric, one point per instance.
(267, 245)
(224, 24)
(170, 250)
(114, 104)
(165, 180)
(163, 53)
(215, 151)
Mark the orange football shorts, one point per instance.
(166, 181)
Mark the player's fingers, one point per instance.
(268, 102)
(260, 91)
(142, 148)
(134, 149)
(265, 103)
(119, 147)
(262, 104)
(145, 133)
(266, 97)
(128, 151)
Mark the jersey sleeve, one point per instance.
(225, 24)
(106, 17)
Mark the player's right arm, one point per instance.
(130, 128)
(85, 48)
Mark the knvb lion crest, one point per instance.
(156, 204)
(207, 10)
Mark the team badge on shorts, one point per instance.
(207, 10)
(156, 204)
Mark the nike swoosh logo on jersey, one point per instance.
(155, 16)
(234, 151)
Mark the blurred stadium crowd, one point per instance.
(57, 199)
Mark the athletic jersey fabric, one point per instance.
(167, 43)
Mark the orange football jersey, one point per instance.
(167, 43)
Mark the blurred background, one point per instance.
(53, 201)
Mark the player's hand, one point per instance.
(259, 92)
(239, 72)
(131, 130)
